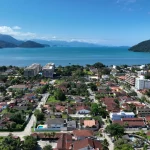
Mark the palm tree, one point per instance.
(53, 134)
(45, 134)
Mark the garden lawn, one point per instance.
(88, 72)
(59, 81)
(52, 99)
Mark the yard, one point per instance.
(52, 99)
(59, 81)
(88, 72)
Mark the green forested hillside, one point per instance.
(141, 47)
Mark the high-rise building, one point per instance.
(48, 70)
(32, 70)
(141, 83)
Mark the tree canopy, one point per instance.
(59, 95)
(115, 130)
(122, 144)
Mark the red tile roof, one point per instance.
(147, 118)
(64, 142)
(131, 122)
(82, 107)
(83, 133)
(87, 142)
(110, 104)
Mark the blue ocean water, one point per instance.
(72, 55)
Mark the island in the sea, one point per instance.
(7, 41)
(141, 47)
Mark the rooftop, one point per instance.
(49, 66)
(33, 66)
(86, 143)
(84, 133)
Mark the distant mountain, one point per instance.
(141, 47)
(58, 43)
(10, 39)
(4, 44)
(31, 44)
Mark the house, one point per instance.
(19, 86)
(55, 123)
(30, 96)
(20, 108)
(64, 142)
(60, 108)
(122, 114)
(82, 110)
(72, 124)
(2, 83)
(89, 123)
(77, 99)
(105, 77)
(110, 104)
(82, 134)
(3, 105)
(87, 144)
(131, 122)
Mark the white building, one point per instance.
(48, 70)
(120, 115)
(105, 77)
(141, 83)
(32, 70)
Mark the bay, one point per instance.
(72, 55)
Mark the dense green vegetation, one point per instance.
(115, 130)
(11, 143)
(122, 144)
(141, 47)
(31, 44)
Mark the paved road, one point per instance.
(92, 95)
(27, 130)
(111, 144)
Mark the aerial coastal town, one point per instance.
(92, 107)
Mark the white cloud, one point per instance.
(16, 28)
(126, 1)
(12, 31)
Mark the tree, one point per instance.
(95, 109)
(10, 143)
(117, 102)
(29, 143)
(105, 144)
(99, 65)
(17, 117)
(59, 95)
(39, 115)
(115, 130)
(122, 144)
(93, 86)
(47, 147)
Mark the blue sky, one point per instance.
(107, 22)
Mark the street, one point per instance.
(27, 130)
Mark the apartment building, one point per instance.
(130, 78)
(32, 70)
(48, 70)
(143, 112)
(141, 83)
